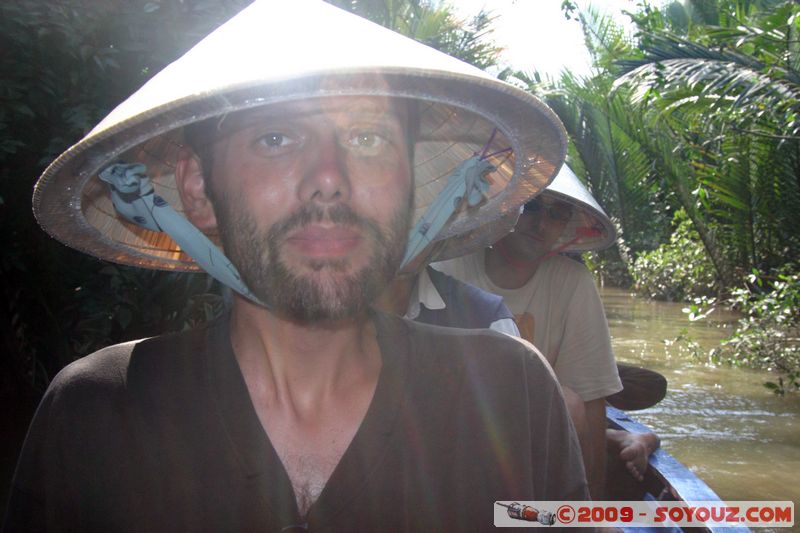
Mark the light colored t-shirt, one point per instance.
(560, 312)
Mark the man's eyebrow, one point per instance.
(259, 116)
(367, 109)
(376, 114)
(252, 117)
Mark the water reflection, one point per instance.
(719, 421)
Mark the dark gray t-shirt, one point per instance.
(160, 435)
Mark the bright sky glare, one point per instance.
(536, 35)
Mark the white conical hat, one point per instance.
(589, 228)
(472, 241)
(277, 51)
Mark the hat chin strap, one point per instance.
(467, 183)
(135, 200)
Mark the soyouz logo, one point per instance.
(643, 514)
(528, 513)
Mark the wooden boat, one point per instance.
(665, 480)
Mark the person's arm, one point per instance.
(585, 364)
(596, 467)
(589, 421)
(557, 459)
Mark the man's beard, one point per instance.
(327, 293)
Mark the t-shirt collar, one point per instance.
(424, 293)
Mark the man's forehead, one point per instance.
(321, 108)
(552, 201)
(555, 202)
(546, 201)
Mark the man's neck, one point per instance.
(506, 273)
(311, 387)
(300, 365)
(396, 297)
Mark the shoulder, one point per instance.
(482, 354)
(113, 370)
(177, 354)
(452, 285)
(103, 370)
(567, 268)
(580, 282)
(564, 275)
(471, 306)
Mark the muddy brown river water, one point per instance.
(721, 422)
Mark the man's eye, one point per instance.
(368, 140)
(275, 140)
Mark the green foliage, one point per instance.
(677, 271)
(723, 85)
(63, 66)
(698, 115)
(435, 24)
(609, 146)
(700, 112)
(768, 335)
(610, 266)
(128, 302)
(607, 268)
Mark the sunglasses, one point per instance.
(558, 211)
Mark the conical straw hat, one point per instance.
(476, 239)
(589, 228)
(277, 51)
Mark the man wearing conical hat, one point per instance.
(303, 178)
(555, 302)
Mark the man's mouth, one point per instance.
(532, 236)
(320, 241)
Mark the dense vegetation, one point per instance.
(687, 132)
(64, 66)
(767, 335)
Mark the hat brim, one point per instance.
(589, 228)
(73, 205)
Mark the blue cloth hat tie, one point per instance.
(468, 182)
(135, 200)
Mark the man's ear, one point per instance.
(190, 181)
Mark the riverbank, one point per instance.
(721, 422)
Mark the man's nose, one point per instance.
(531, 222)
(326, 179)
